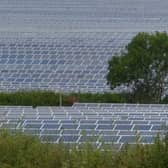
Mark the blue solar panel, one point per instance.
(142, 127)
(123, 122)
(69, 126)
(105, 127)
(128, 139)
(50, 131)
(71, 132)
(51, 126)
(110, 139)
(87, 126)
(105, 122)
(157, 127)
(123, 127)
(38, 126)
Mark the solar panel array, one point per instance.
(65, 45)
(78, 15)
(69, 62)
(111, 125)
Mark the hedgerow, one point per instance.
(48, 98)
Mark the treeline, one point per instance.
(23, 151)
(48, 98)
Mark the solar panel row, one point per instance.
(97, 123)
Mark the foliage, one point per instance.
(142, 67)
(101, 97)
(47, 98)
(22, 151)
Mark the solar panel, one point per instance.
(122, 122)
(71, 132)
(50, 131)
(51, 126)
(123, 127)
(88, 121)
(69, 126)
(105, 127)
(63, 121)
(128, 133)
(108, 132)
(128, 139)
(105, 122)
(49, 121)
(32, 121)
(142, 127)
(157, 127)
(87, 126)
(38, 126)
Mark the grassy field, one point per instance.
(22, 151)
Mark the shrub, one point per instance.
(22, 151)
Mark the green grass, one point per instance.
(22, 151)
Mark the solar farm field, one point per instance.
(64, 46)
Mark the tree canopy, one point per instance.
(142, 67)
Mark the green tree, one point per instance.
(142, 67)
